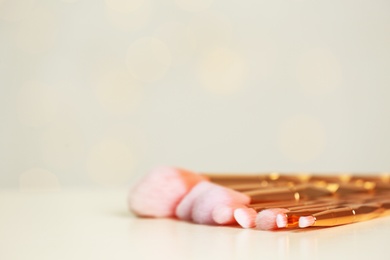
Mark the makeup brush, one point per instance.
(288, 215)
(312, 192)
(216, 203)
(348, 215)
(224, 214)
(266, 219)
(184, 208)
(263, 179)
(295, 193)
(245, 217)
(267, 214)
(220, 207)
(207, 204)
(342, 216)
(290, 219)
(299, 192)
(297, 177)
(373, 177)
(159, 193)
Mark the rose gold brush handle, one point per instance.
(350, 189)
(306, 204)
(366, 197)
(305, 192)
(261, 187)
(296, 193)
(279, 204)
(386, 208)
(383, 177)
(343, 190)
(357, 178)
(235, 178)
(339, 187)
(331, 202)
(299, 205)
(256, 185)
(328, 200)
(361, 198)
(295, 213)
(297, 178)
(347, 215)
(382, 188)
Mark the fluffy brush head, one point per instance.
(245, 217)
(159, 193)
(184, 209)
(281, 220)
(306, 221)
(266, 219)
(216, 196)
(224, 214)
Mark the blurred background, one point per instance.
(98, 92)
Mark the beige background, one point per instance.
(95, 93)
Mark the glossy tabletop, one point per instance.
(95, 224)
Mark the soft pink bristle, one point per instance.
(202, 211)
(224, 214)
(159, 193)
(281, 220)
(184, 209)
(306, 221)
(245, 217)
(266, 219)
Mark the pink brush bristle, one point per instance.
(281, 220)
(159, 193)
(217, 196)
(266, 219)
(224, 214)
(306, 221)
(184, 209)
(245, 217)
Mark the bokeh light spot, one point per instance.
(210, 31)
(118, 91)
(36, 104)
(179, 39)
(124, 6)
(222, 71)
(128, 15)
(194, 5)
(148, 59)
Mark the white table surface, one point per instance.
(92, 224)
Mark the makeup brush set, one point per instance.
(266, 201)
